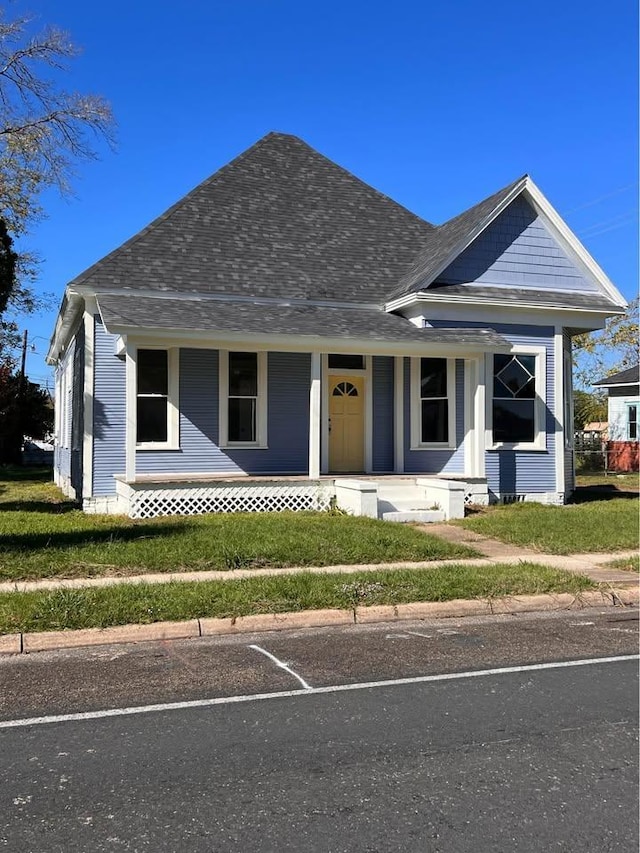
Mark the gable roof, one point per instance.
(449, 240)
(630, 376)
(281, 220)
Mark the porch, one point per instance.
(410, 497)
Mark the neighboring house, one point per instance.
(623, 404)
(285, 325)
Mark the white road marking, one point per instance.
(285, 694)
(418, 634)
(282, 666)
(580, 624)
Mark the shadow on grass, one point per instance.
(14, 473)
(50, 507)
(75, 538)
(588, 494)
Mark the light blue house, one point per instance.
(286, 334)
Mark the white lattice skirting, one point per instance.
(196, 500)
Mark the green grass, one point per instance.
(43, 535)
(617, 482)
(627, 564)
(603, 525)
(144, 603)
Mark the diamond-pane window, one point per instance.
(514, 376)
(514, 398)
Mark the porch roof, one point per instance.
(307, 325)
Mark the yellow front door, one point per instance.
(346, 423)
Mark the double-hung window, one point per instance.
(433, 403)
(516, 410)
(156, 411)
(632, 422)
(243, 398)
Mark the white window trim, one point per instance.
(540, 440)
(173, 410)
(261, 408)
(416, 408)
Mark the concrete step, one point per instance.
(385, 505)
(421, 516)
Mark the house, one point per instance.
(623, 404)
(286, 335)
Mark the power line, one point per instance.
(604, 197)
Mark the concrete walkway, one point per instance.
(591, 565)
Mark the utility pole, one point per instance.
(23, 364)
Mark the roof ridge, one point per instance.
(351, 174)
(163, 217)
(214, 178)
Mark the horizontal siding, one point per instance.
(64, 439)
(434, 461)
(288, 379)
(383, 414)
(109, 412)
(618, 414)
(517, 250)
(521, 471)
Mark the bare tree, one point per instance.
(45, 130)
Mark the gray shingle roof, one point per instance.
(281, 220)
(630, 376)
(443, 241)
(519, 295)
(251, 318)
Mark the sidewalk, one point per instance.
(590, 565)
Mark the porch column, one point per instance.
(479, 417)
(398, 410)
(131, 359)
(314, 417)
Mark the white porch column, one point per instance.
(479, 417)
(131, 359)
(314, 417)
(398, 414)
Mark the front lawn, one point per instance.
(43, 535)
(606, 525)
(144, 603)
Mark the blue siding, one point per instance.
(288, 378)
(517, 250)
(108, 412)
(77, 413)
(383, 419)
(521, 471)
(435, 461)
(64, 441)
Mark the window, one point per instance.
(516, 408)
(156, 414)
(632, 423)
(346, 362)
(433, 403)
(243, 398)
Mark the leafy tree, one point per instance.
(614, 348)
(25, 409)
(588, 408)
(44, 131)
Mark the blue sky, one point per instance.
(437, 104)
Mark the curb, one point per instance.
(211, 627)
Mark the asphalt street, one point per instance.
(521, 761)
